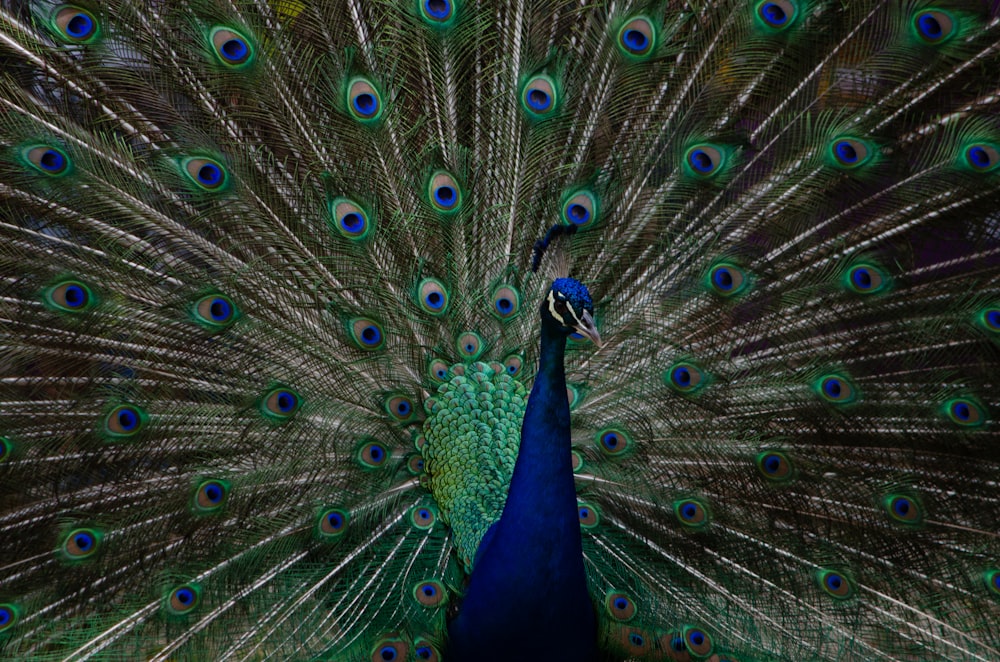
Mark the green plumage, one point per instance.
(268, 321)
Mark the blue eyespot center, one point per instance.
(425, 653)
(127, 419)
(388, 653)
(962, 411)
(352, 222)
(773, 14)
(977, 156)
(696, 637)
(439, 9)
(371, 335)
(74, 296)
(700, 161)
(832, 387)
(83, 541)
(636, 639)
(435, 300)
(504, 305)
(52, 161)
(682, 376)
(993, 319)
(286, 401)
(403, 408)
(445, 196)
(689, 511)
(423, 513)
(5, 616)
(220, 310)
(635, 40)
(234, 49)
(929, 26)
(366, 104)
(846, 152)
(213, 492)
(723, 279)
(677, 644)
(577, 213)
(621, 603)
(539, 100)
(335, 520)
(210, 174)
(772, 463)
(80, 26)
(834, 581)
(185, 596)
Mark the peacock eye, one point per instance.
(364, 101)
(232, 48)
(934, 27)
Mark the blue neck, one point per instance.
(527, 597)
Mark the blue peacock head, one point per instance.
(568, 306)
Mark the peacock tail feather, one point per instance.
(270, 322)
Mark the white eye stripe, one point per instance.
(552, 308)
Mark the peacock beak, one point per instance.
(588, 329)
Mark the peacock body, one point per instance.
(271, 320)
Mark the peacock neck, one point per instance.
(529, 587)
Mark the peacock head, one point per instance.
(569, 308)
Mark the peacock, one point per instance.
(385, 330)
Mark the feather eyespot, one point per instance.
(438, 370)
(903, 509)
(280, 404)
(400, 408)
(992, 578)
(614, 441)
(81, 544)
(704, 161)
(6, 448)
(437, 11)
(48, 160)
(415, 464)
(425, 650)
(366, 333)
(349, 219)
(423, 517)
(691, 513)
(210, 496)
(982, 157)
(9, 615)
(215, 311)
(835, 584)
(934, 27)
(580, 208)
(124, 421)
(184, 599)
(637, 38)
(205, 173)
(774, 465)
(836, 390)
(776, 14)
(539, 96)
(390, 650)
(850, 153)
(364, 100)
(576, 460)
(697, 641)
(513, 364)
(76, 25)
(430, 593)
(685, 377)
(332, 523)
(372, 455)
(588, 515)
(232, 48)
(469, 345)
(727, 279)
(70, 296)
(506, 302)
(444, 193)
(989, 319)
(619, 606)
(432, 296)
(965, 412)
